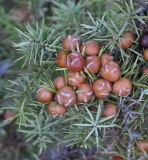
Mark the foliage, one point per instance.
(80, 127)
